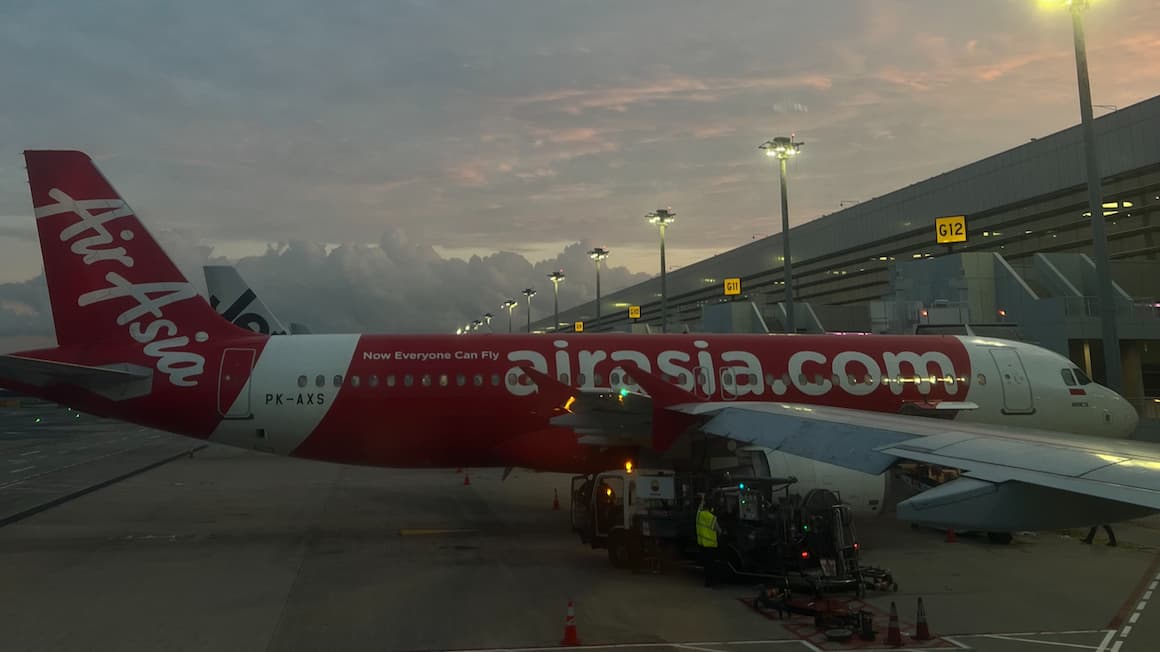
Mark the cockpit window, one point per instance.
(1081, 377)
(1068, 379)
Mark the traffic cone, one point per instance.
(570, 636)
(893, 634)
(555, 500)
(951, 535)
(466, 479)
(921, 630)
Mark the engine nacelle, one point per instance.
(864, 493)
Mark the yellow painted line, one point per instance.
(421, 532)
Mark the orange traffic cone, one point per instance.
(555, 500)
(466, 479)
(951, 535)
(570, 636)
(893, 635)
(921, 630)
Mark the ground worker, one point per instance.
(707, 529)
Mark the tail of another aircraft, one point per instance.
(110, 284)
(233, 299)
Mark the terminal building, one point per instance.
(1025, 271)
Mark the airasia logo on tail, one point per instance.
(91, 239)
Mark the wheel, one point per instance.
(999, 538)
(618, 550)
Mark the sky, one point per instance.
(403, 166)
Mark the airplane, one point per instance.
(233, 299)
(136, 342)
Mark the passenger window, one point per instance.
(426, 380)
(302, 381)
(443, 380)
(320, 381)
(982, 379)
(627, 379)
(354, 381)
(495, 380)
(513, 379)
(851, 379)
(478, 380)
(599, 379)
(580, 379)
(408, 380)
(564, 378)
(1081, 377)
(338, 380)
(391, 380)
(614, 379)
(1068, 379)
(768, 379)
(460, 380)
(373, 380)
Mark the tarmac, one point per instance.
(143, 546)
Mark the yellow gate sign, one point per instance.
(950, 229)
(579, 327)
(732, 286)
(634, 312)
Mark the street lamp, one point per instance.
(784, 149)
(529, 293)
(487, 316)
(556, 278)
(663, 217)
(598, 254)
(510, 304)
(1111, 338)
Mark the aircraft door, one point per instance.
(1017, 397)
(728, 384)
(702, 383)
(234, 384)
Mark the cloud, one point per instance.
(395, 285)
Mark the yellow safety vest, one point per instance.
(706, 529)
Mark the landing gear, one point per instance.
(1000, 538)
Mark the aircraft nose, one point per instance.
(1123, 414)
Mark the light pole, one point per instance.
(487, 316)
(529, 293)
(663, 217)
(1112, 364)
(510, 304)
(784, 149)
(598, 254)
(556, 278)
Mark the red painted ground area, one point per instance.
(803, 628)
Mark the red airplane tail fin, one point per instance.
(109, 282)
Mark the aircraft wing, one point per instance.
(1011, 479)
(117, 382)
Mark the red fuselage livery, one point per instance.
(138, 343)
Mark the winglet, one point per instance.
(551, 390)
(667, 425)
